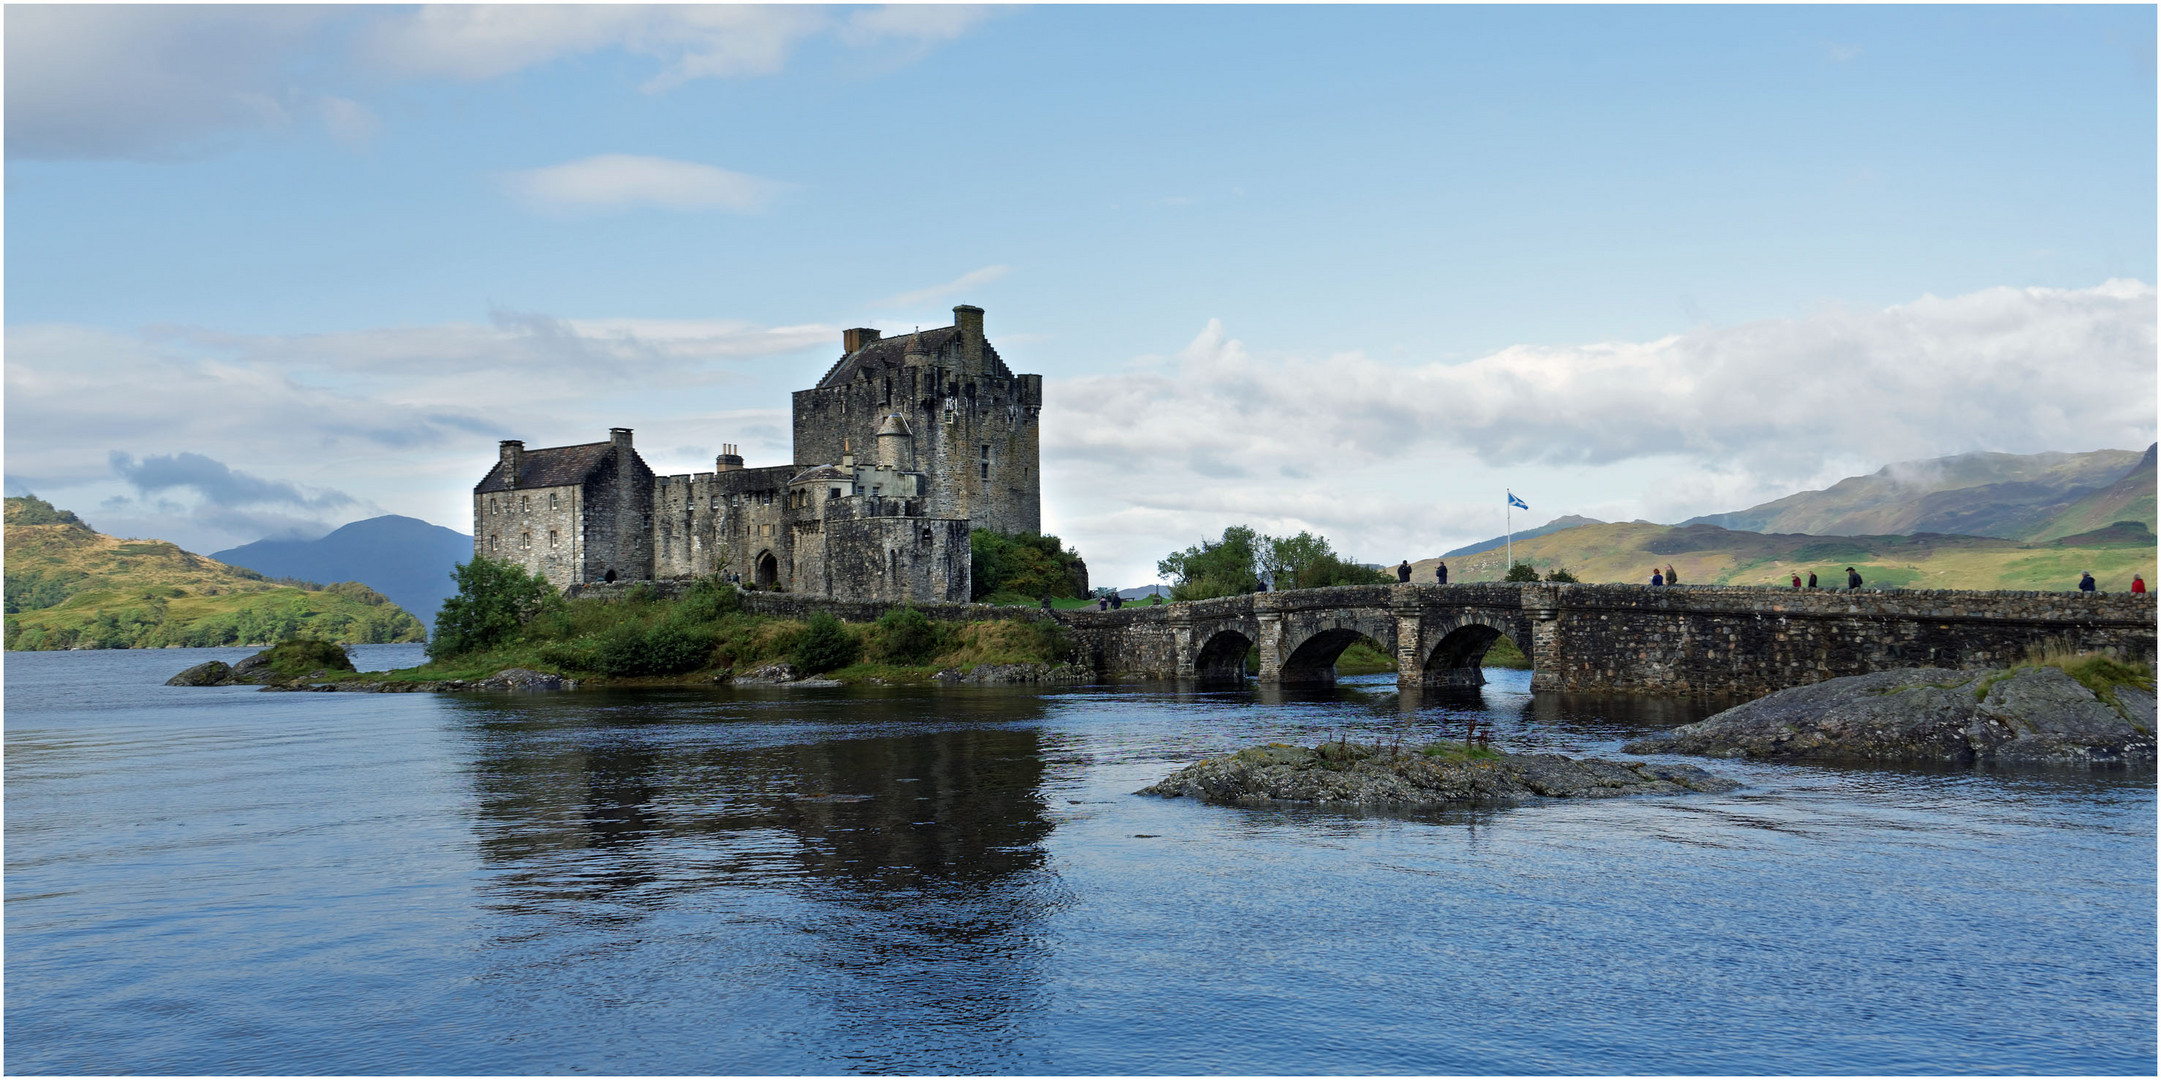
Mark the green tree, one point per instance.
(907, 636)
(1025, 564)
(494, 602)
(1222, 567)
(1561, 573)
(1522, 571)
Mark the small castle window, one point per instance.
(832, 493)
(552, 501)
(552, 539)
(493, 542)
(525, 541)
(525, 504)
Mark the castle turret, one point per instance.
(968, 319)
(896, 444)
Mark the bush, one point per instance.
(1522, 571)
(907, 636)
(495, 601)
(1560, 573)
(824, 645)
(710, 600)
(1030, 564)
(301, 656)
(663, 649)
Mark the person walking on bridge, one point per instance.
(1853, 579)
(1671, 577)
(2085, 581)
(2138, 585)
(1796, 581)
(1812, 579)
(1440, 572)
(1403, 572)
(1658, 579)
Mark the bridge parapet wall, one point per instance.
(1627, 638)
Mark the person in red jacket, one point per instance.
(2138, 584)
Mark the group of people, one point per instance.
(1853, 580)
(1440, 572)
(2086, 583)
(1662, 578)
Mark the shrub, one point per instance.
(710, 600)
(663, 649)
(1029, 564)
(1522, 571)
(824, 645)
(907, 636)
(1561, 573)
(495, 600)
(300, 656)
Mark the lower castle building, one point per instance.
(905, 445)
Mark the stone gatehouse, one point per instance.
(905, 445)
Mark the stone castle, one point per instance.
(905, 445)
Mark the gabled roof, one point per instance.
(822, 473)
(886, 354)
(554, 466)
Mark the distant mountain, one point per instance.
(70, 587)
(405, 559)
(1556, 525)
(2013, 496)
(2130, 498)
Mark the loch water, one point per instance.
(961, 880)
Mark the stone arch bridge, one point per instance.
(1611, 638)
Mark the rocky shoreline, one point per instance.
(335, 674)
(2025, 715)
(1353, 775)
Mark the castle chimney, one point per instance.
(847, 458)
(728, 460)
(851, 340)
(620, 436)
(969, 319)
(513, 458)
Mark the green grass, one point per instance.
(1453, 752)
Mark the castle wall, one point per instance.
(850, 551)
(536, 529)
(617, 502)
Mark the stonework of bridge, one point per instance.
(1606, 638)
(1682, 639)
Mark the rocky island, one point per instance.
(1430, 777)
(2037, 714)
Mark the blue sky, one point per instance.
(1348, 269)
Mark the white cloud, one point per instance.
(1705, 421)
(157, 81)
(624, 181)
(963, 283)
(694, 41)
(397, 417)
(149, 81)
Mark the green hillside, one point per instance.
(2130, 498)
(2015, 496)
(1709, 555)
(71, 587)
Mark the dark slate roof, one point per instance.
(554, 466)
(823, 473)
(886, 354)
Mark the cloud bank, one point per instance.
(626, 181)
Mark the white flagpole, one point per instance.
(1508, 516)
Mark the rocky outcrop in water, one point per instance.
(1347, 774)
(300, 658)
(2024, 715)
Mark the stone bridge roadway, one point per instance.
(1613, 638)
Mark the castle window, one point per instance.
(525, 504)
(525, 541)
(986, 470)
(552, 501)
(492, 542)
(832, 493)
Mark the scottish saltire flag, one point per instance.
(1516, 502)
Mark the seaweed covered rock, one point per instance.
(296, 658)
(1017, 675)
(1347, 774)
(2020, 715)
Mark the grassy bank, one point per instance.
(643, 639)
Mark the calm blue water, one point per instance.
(226, 881)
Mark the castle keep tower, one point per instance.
(905, 445)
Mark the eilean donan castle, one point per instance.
(904, 445)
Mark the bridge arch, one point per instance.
(1457, 650)
(1222, 656)
(1309, 651)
